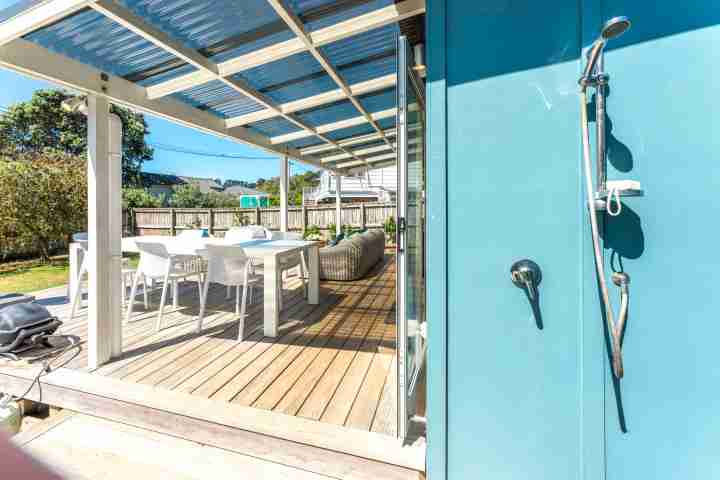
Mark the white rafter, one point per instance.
(360, 88)
(298, 28)
(329, 127)
(124, 17)
(38, 16)
(353, 26)
(36, 61)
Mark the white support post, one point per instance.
(338, 204)
(283, 193)
(103, 264)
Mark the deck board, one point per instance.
(331, 362)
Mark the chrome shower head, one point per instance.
(613, 28)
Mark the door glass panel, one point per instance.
(411, 236)
(415, 234)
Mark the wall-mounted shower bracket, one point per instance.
(595, 81)
(602, 197)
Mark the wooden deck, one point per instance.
(333, 362)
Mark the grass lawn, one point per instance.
(31, 276)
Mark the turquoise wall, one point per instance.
(506, 398)
(666, 134)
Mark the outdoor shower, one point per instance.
(605, 194)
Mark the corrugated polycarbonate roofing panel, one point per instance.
(202, 23)
(377, 101)
(93, 39)
(371, 143)
(365, 56)
(379, 65)
(363, 129)
(288, 79)
(274, 126)
(352, 8)
(223, 29)
(306, 142)
(373, 102)
(329, 113)
(219, 99)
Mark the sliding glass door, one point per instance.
(411, 235)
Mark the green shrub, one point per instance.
(312, 232)
(390, 228)
(43, 200)
(140, 198)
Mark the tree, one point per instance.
(187, 196)
(43, 200)
(41, 125)
(190, 196)
(295, 191)
(140, 198)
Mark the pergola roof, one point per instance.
(310, 79)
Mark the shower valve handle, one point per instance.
(526, 274)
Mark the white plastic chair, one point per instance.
(125, 273)
(229, 266)
(246, 233)
(193, 264)
(157, 264)
(291, 262)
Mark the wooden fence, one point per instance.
(168, 221)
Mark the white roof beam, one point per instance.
(31, 59)
(298, 28)
(360, 88)
(359, 24)
(38, 16)
(116, 12)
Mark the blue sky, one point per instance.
(16, 88)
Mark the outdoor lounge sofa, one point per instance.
(353, 257)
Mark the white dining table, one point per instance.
(270, 252)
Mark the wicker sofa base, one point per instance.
(353, 258)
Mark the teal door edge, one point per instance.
(436, 292)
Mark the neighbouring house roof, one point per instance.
(240, 191)
(204, 184)
(154, 179)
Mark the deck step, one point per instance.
(312, 446)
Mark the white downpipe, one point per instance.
(283, 194)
